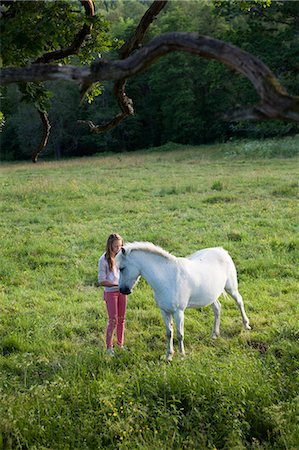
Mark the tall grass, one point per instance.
(58, 388)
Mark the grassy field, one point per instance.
(58, 388)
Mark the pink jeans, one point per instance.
(116, 307)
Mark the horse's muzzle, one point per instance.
(125, 290)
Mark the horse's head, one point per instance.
(129, 273)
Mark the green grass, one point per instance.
(58, 388)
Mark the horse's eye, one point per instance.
(121, 269)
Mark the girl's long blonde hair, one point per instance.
(110, 259)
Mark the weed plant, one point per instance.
(58, 388)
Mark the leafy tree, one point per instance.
(271, 100)
(270, 30)
(25, 31)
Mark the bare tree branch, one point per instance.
(149, 16)
(124, 102)
(275, 102)
(45, 135)
(77, 43)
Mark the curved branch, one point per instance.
(127, 109)
(275, 102)
(149, 16)
(45, 135)
(106, 127)
(77, 43)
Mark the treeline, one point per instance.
(180, 98)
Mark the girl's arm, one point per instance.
(106, 283)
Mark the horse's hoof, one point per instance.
(168, 358)
(247, 326)
(215, 336)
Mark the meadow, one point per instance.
(58, 388)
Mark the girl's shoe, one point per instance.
(123, 348)
(110, 351)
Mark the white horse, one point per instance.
(181, 283)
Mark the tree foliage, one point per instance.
(30, 30)
(179, 98)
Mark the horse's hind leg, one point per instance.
(217, 310)
(179, 321)
(231, 288)
(169, 334)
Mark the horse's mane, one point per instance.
(148, 247)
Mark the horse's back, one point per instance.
(211, 255)
(215, 263)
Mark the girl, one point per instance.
(108, 276)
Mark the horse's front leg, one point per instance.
(169, 334)
(179, 320)
(217, 309)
